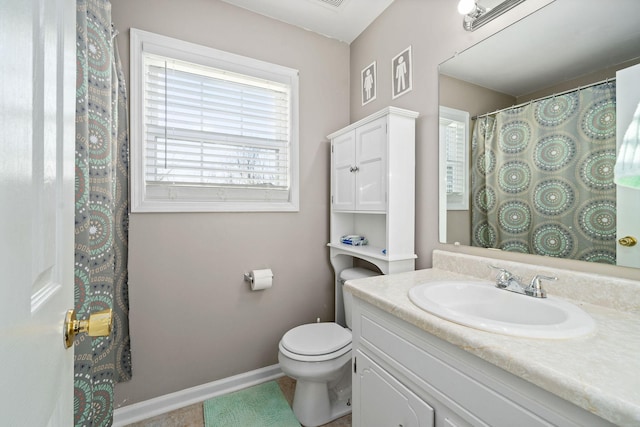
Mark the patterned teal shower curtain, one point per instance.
(101, 218)
(542, 177)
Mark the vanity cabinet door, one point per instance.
(381, 401)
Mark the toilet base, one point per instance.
(316, 403)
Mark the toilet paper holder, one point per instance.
(259, 279)
(249, 278)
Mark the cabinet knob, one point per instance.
(354, 169)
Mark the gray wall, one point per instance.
(193, 318)
(434, 31)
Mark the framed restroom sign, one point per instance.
(368, 80)
(401, 73)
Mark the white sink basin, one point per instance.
(482, 306)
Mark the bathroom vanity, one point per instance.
(411, 368)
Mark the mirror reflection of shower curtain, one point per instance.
(542, 177)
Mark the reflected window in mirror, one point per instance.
(454, 140)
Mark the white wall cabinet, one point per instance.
(359, 168)
(416, 370)
(373, 193)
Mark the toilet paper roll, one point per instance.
(261, 279)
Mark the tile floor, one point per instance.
(192, 416)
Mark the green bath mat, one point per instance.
(262, 405)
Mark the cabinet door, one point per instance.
(380, 400)
(343, 162)
(371, 157)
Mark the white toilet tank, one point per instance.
(350, 274)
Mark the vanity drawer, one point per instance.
(434, 372)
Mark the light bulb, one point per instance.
(466, 6)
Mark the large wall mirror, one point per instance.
(542, 96)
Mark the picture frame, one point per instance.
(368, 83)
(401, 73)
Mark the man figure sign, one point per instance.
(401, 73)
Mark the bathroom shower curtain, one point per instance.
(101, 218)
(542, 177)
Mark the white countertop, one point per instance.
(599, 372)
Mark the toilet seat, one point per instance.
(316, 342)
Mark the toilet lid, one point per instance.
(316, 338)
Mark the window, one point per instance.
(454, 143)
(211, 130)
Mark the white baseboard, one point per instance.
(169, 402)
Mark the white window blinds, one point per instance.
(454, 136)
(217, 131)
(210, 127)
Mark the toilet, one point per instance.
(318, 357)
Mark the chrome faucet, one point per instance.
(507, 281)
(535, 287)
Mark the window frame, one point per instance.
(455, 202)
(201, 198)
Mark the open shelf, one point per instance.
(369, 251)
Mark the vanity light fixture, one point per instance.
(466, 7)
(476, 15)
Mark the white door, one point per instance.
(371, 173)
(628, 199)
(37, 102)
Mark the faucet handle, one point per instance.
(535, 287)
(503, 277)
(502, 270)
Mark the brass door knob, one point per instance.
(98, 325)
(628, 241)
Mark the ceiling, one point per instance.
(339, 19)
(562, 41)
(344, 20)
